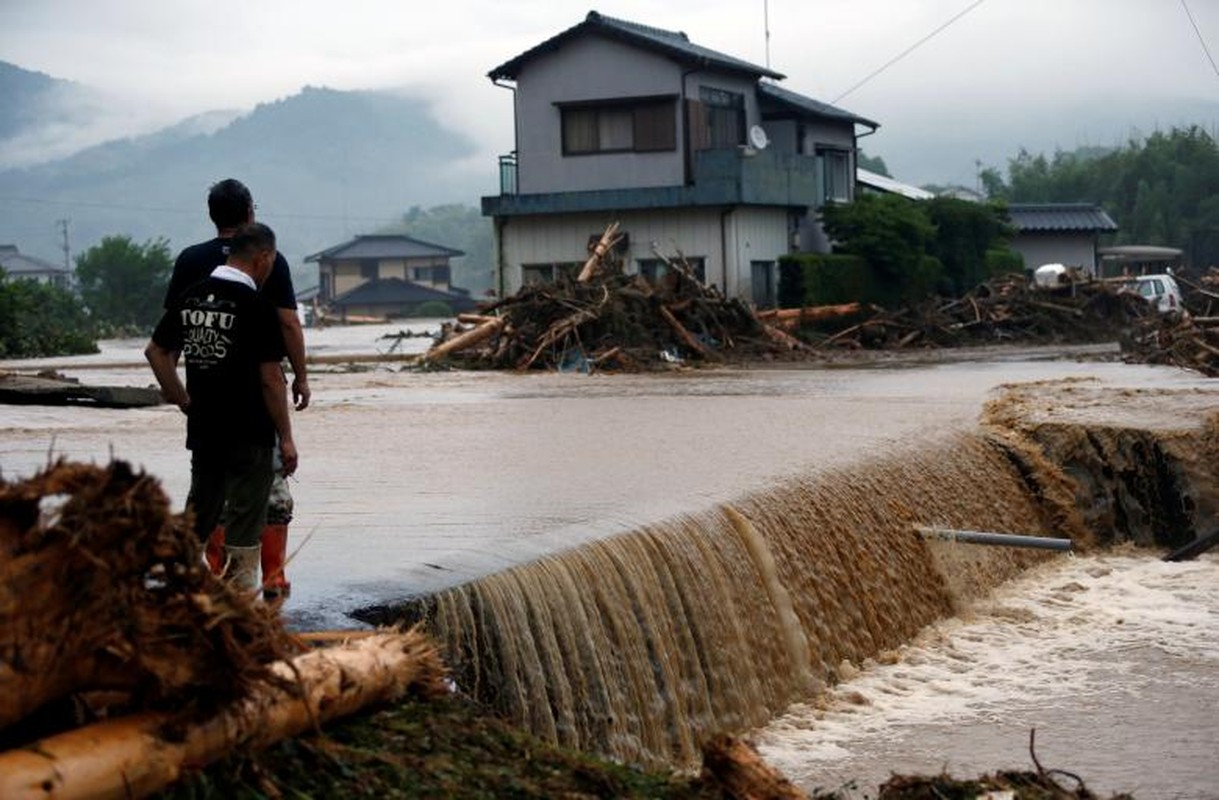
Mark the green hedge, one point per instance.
(38, 320)
(815, 279)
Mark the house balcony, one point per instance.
(728, 177)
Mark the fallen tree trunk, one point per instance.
(131, 756)
(468, 339)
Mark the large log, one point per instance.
(130, 757)
(468, 339)
(686, 337)
(608, 240)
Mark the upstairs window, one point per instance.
(724, 117)
(835, 166)
(638, 125)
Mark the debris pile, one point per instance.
(1002, 310)
(1190, 339)
(123, 659)
(605, 319)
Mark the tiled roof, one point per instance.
(1060, 217)
(384, 246)
(16, 265)
(773, 98)
(674, 44)
(395, 291)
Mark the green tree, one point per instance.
(38, 320)
(965, 233)
(893, 235)
(1158, 189)
(123, 283)
(873, 164)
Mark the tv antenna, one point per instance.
(766, 27)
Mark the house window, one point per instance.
(533, 274)
(654, 269)
(725, 117)
(640, 126)
(435, 275)
(369, 268)
(762, 280)
(835, 166)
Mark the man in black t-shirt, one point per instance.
(230, 205)
(235, 398)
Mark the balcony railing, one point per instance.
(507, 174)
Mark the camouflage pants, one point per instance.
(279, 504)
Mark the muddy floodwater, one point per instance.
(412, 482)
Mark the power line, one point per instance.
(192, 212)
(1201, 40)
(910, 50)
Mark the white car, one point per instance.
(1161, 290)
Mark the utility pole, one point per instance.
(67, 250)
(766, 25)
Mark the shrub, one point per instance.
(432, 308)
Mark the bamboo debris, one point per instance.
(605, 319)
(137, 755)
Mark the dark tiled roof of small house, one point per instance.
(1048, 217)
(395, 291)
(674, 44)
(384, 246)
(777, 101)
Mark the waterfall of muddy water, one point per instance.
(640, 645)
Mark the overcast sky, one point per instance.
(1005, 73)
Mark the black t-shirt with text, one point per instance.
(225, 331)
(197, 262)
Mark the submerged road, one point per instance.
(410, 481)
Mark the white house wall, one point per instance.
(743, 235)
(1078, 250)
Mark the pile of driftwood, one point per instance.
(1189, 339)
(1005, 309)
(124, 661)
(604, 319)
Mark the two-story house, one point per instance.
(386, 275)
(689, 149)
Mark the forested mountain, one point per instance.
(323, 165)
(1161, 190)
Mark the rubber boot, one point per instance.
(214, 552)
(243, 567)
(275, 585)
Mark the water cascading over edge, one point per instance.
(641, 645)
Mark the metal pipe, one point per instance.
(1000, 539)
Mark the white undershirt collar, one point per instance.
(226, 273)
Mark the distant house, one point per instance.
(22, 267)
(1059, 233)
(386, 275)
(689, 149)
(393, 297)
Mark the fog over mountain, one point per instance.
(323, 166)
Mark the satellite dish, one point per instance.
(758, 138)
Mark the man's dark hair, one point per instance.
(229, 203)
(251, 239)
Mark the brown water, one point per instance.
(625, 563)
